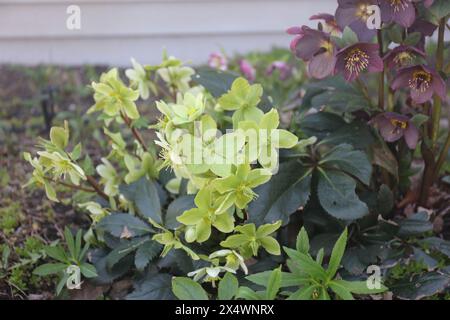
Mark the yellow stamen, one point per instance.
(356, 61)
(421, 81)
(399, 123)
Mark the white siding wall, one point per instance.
(112, 31)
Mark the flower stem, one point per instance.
(91, 180)
(365, 91)
(437, 102)
(97, 187)
(136, 133)
(432, 168)
(442, 157)
(71, 186)
(382, 74)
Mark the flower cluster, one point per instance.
(344, 45)
(218, 167)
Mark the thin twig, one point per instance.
(381, 80)
(72, 186)
(91, 180)
(136, 133)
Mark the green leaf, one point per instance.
(337, 254)
(306, 264)
(57, 253)
(124, 225)
(382, 156)
(61, 284)
(337, 196)
(228, 287)
(248, 294)
(273, 284)
(415, 225)
(437, 244)
(177, 208)
(88, 270)
(304, 293)
(76, 152)
(5, 257)
(146, 253)
(385, 200)
(440, 8)
(412, 39)
(349, 36)
(352, 162)
(188, 289)
(70, 242)
(217, 82)
(359, 287)
(395, 33)
(285, 192)
(341, 290)
(336, 94)
(421, 285)
(302, 243)
(153, 287)
(49, 268)
(419, 119)
(144, 194)
(78, 243)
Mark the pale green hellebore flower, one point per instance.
(239, 185)
(233, 259)
(243, 99)
(138, 77)
(109, 178)
(177, 77)
(211, 211)
(61, 166)
(187, 109)
(268, 139)
(250, 239)
(113, 97)
(209, 274)
(39, 178)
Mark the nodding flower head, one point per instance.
(402, 56)
(393, 126)
(402, 12)
(355, 14)
(354, 59)
(422, 81)
(316, 48)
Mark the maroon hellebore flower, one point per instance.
(393, 126)
(402, 12)
(354, 14)
(402, 56)
(284, 69)
(425, 28)
(247, 70)
(316, 48)
(354, 59)
(423, 82)
(330, 25)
